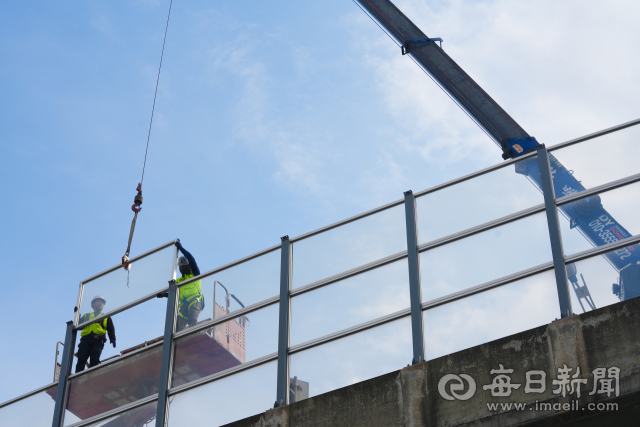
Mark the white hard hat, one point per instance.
(183, 261)
(104, 301)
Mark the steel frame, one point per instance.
(286, 293)
(415, 286)
(555, 235)
(284, 324)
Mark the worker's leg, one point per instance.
(194, 312)
(96, 351)
(83, 355)
(182, 323)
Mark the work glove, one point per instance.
(178, 245)
(113, 343)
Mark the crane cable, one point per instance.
(137, 201)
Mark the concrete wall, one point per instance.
(604, 338)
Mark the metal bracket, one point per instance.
(406, 47)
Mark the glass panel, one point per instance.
(477, 200)
(146, 276)
(485, 256)
(226, 345)
(114, 385)
(600, 219)
(348, 246)
(32, 411)
(241, 285)
(596, 282)
(357, 299)
(490, 315)
(142, 416)
(596, 161)
(352, 359)
(135, 328)
(225, 400)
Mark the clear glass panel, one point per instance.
(146, 276)
(485, 256)
(114, 385)
(226, 345)
(352, 359)
(348, 246)
(477, 200)
(241, 285)
(597, 161)
(490, 315)
(226, 400)
(33, 411)
(600, 219)
(357, 299)
(596, 282)
(143, 416)
(135, 328)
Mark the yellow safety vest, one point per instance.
(189, 294)
(99, 328)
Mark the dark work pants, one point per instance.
(89, 349)
(188, 315)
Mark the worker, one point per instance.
(191, 301)
(94, 335)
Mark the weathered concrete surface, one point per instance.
(604, 338)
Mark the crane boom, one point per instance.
(588, 214)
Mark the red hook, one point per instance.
(137, 201)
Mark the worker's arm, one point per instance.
(111, 330)
(192, 261)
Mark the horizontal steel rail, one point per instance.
(482, 227)
(348, 220)
(134, 259)
(349, 273)
(350, 331)
(488, 285)
(122, 308)
(475, 174)
(599, 250)
(227, 372)
(227, 317)
(115, 359)
(229, 265)
(594, 135)
(597, 190)
(116, 411)
(29, 394)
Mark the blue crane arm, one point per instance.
(588, 214)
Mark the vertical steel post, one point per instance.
(167, 356)
(282, 396)
(415, 289)
(65, 370)
(557, 251)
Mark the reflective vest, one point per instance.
(99, 328)
(189, 294)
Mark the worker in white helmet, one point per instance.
(93, 336)
(191, 301)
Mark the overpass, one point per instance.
(426, 394)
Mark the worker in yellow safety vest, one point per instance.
(93, 336)
(191, 301)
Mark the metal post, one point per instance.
(65, 370)
(555, 236)
(167, 356)
(284, 326)
(415, 289)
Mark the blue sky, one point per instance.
(271, 119)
